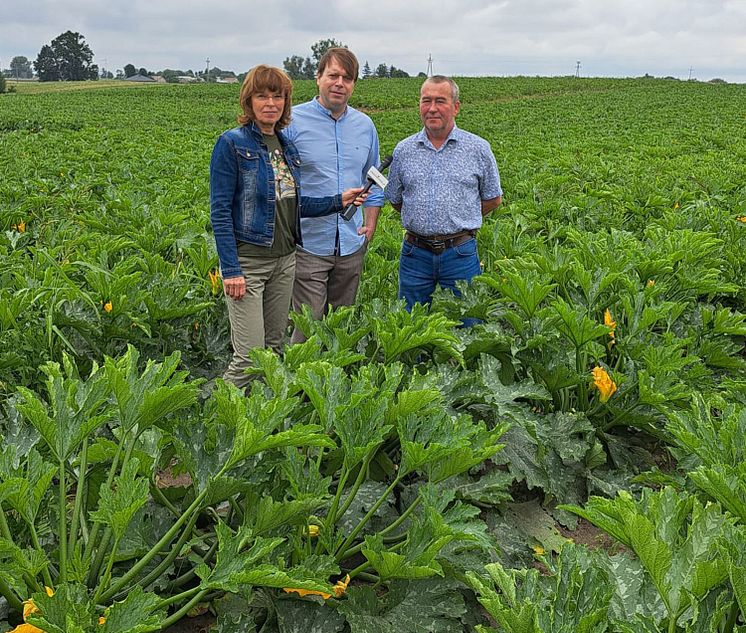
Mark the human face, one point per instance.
(438, 110)
(335, 87)
(267, 107)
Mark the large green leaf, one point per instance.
(243, 560)
(69, 610)
(425, 606)
(675, 537)
(77, 408)
(137, 613)
(148, 398)
(296, 616)
(119, 504)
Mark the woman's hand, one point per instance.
(353, 196)
(234, 287)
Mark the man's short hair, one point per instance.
(344, 57)
(442, 79)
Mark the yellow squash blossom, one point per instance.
(676, 206)
(538, 550)
(603, 382)
(312, 530)
(650, 284)
(609, 323)
(108, 306)
(214, 276)
(339, 589)
(740, 218)
(28, 608)
(20, 227)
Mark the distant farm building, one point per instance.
(140, 78)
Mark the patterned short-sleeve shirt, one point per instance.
(441, 190)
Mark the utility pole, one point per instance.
(429, 64)
(207, 70)
(577, 68)
(690, 73)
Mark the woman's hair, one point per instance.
(265, 78)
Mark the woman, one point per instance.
(255, 209)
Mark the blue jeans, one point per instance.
(420, 270)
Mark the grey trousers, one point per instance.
(321, 281)
(260, 317)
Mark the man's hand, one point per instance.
(353, 196)
(370, 222)
(234, 287)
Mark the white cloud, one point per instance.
(466, 37)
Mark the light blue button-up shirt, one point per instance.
(335, 156)
(441, 190)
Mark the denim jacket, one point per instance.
(242, 193)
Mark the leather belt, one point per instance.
(438, 243)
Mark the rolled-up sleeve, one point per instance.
(393, 190)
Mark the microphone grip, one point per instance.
(351, 208)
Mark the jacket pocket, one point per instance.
(248, 162)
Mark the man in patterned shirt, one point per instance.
(443, 180)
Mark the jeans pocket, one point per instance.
(406, 249)
(467, 249)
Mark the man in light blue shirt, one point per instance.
(443, 180)
(337, 145)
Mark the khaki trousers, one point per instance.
(321, 281)
(260, 317)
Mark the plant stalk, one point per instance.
(37, 546)
(79, 494)
(62, 535)
(353, 535)
(160, 545)
(184, 610)
(13, 600)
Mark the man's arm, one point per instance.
(370, 221)
(490, 205)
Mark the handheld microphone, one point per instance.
(374, 177)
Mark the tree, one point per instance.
(20, 68)
(74, 57)
(143, 72)
(367, 72)
(397, 72)
(46, 65)
(130, 70)
(382, 70)
(2, 83)
(319, 48)
(296, 67)
(68, 58)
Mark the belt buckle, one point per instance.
(437, 246)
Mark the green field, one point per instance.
(442, 465)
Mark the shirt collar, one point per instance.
(321, 108)
(453, 135)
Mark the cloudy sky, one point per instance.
(704, 38)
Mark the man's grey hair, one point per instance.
(442, 79)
